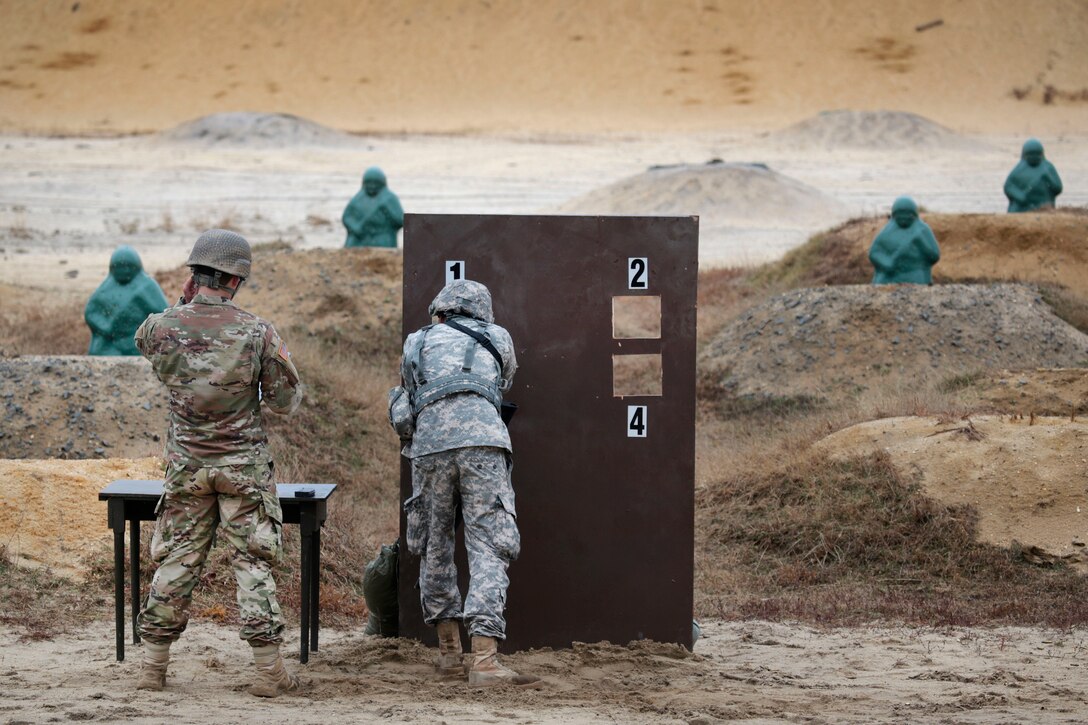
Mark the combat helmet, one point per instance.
(464, 297)
(224, 251)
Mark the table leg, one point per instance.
(304, 598)
(134, 577)
(119, 591)
(116, 513)
(315, 574)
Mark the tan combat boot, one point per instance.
(272, 676)
(486, 670)
(449, 663)
(153, 670)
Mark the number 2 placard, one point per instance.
(638, 273)
(455, 270)
(636, 421)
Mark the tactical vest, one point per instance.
(464, 381)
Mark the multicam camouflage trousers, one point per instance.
(194, 501)
(478, 481)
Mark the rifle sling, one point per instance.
(480, 338)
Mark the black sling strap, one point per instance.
(480, 338)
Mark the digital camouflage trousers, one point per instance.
(476, 481)
(194, 502)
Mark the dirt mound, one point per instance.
(50, 514)
(1043, 247)
(80, 407)
(734, 202)
(1025, 479)
(720, 194)
(836, 341)
(875, 130)
(253, 130)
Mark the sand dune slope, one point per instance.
(553, 65)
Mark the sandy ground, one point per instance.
(66, 203)
(752, 672)
(50, 514)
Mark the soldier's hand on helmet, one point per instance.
(188, 291)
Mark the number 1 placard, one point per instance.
(455, 270)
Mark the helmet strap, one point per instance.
(215, 281)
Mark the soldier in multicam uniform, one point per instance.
(461, 459)
(218, 363)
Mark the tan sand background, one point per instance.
(552, 65)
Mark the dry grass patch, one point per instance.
(854, 541)
(827, 258)
(41, 605)
(723, 294)
(34, 324)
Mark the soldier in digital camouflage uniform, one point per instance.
(461, 459)
(218, 362)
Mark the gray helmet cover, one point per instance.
(464, 297)
(222, 250)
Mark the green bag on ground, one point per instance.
(380, 592)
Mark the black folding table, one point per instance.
(135, 501)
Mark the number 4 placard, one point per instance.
(638, 273)
(455, 270)
(636, 421)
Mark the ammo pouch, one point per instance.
(401, 415)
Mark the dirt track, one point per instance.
(753, 672)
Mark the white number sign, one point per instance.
(636, 421)
(638, 273)
(455, 270)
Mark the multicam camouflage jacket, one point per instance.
(218, 362)
(462, 419)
